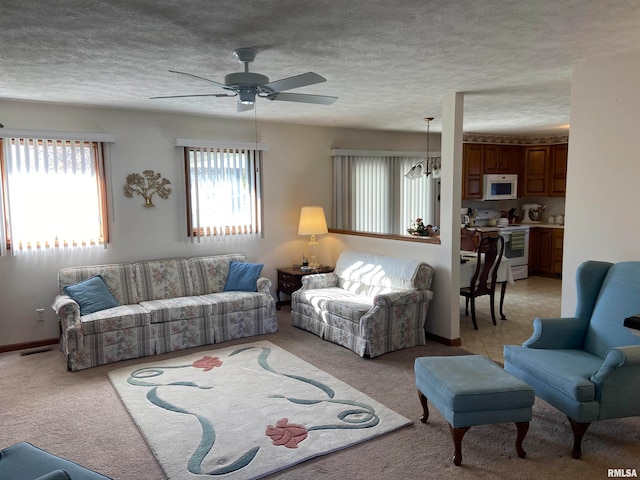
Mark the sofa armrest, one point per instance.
(64, 305)
(402, 297)
(264, 286)
(68, 312)
(319, 280)
(557, 333)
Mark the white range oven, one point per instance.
(516, 249)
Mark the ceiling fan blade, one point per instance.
(202, 78)
(303, 80)
(244, 107)
(198, 95)
(303, 98)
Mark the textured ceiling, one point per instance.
(389, 62)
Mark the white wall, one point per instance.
(603, 167)
(297, 172)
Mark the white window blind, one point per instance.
(371, 193)
(223, 193)
(53, 193)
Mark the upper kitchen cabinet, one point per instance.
(472, 171)
(545, 170)
(484, 158)
(558, 173)
(536, 171)
(501, 159)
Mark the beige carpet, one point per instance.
(79, 416)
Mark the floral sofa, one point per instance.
(371, 304)
(160, 306)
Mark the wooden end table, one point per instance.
(290, 280)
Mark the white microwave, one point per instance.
(500, 187)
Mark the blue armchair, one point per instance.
(587, 366)
(24, 461)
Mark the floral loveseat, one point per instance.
(371, 304)
(159, 306)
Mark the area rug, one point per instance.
(245, 411)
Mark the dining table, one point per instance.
(468, 264)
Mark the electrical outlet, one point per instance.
(39, 314)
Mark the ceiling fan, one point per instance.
(248, 85)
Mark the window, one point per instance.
(53, 195)
(223, 192)
(372, 194)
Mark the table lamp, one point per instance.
(312, 222)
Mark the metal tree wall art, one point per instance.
(146, 185)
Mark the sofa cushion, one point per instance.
(160, 279)
(336, 301)
(117, 318)
(209, 274)
(180, 308)
(92, 295)
(568, 371)
(119, 277)
(227, 302)
(243, 277)
(367, 275)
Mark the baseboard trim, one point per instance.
(27, 345)
(449, 342)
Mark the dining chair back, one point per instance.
(490, 252)
(469, 239)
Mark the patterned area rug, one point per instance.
(245, 411)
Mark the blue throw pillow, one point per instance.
(92, 295)
(243, 277)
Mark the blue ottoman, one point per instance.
(472, 390)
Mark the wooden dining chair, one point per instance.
(469, 239)
(483, 282)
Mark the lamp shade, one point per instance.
(312, 221)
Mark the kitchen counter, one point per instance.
(484, 229)
(543, 225)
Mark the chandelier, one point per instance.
(430, 166)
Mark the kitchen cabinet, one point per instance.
(491, 154)
(558, 170)
(484, 158)
(545, 170)
(472, 171)
(536, 170)
(501, 159)
(541, 169)
(558, 248)
(545, 251)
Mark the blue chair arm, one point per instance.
(557, 333)
(402, 298)
(617, 357)
(55, 475)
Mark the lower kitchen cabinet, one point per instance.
(545, 251)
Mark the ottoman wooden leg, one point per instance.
(523, 428)
(425, 408)
(457, 434)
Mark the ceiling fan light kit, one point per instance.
(247, 85)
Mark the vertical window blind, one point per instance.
(371, 194)
(53, 193)
(223, 193)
